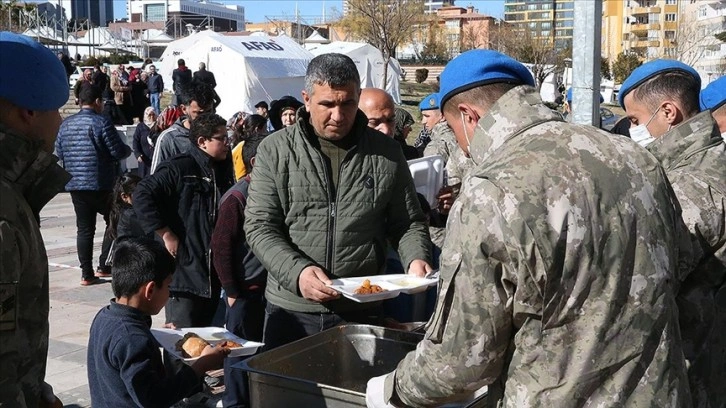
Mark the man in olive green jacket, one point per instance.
(661, 100)
(326, 196)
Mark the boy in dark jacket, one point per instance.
(241, 273)
(179, 202)
(124, 363)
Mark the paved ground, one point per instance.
(72, 307)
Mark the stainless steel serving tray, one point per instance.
(329, 369)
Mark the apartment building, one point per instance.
(697, 45)
(550, 20)
(650, 28)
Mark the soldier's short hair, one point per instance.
(484, 96)
(674, 85)
(136, 262)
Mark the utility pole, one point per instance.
(586, 62)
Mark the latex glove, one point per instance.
(374, 392)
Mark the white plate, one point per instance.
(409, 284)
(168, 338)
(347, 287)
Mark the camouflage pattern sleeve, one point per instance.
(15, 372)
(469, 333)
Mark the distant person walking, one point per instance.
(181, 78)
(205, 76)
(90, 147)
(155, 85)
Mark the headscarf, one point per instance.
(148, 121)
(403, 120)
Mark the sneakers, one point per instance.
(103, 272)
(91, 281)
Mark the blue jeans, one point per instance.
(155, 99)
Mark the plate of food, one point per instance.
(365, 289)
(187, 344)
(410, 284)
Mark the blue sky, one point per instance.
(256, 11)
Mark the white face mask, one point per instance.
(640, 134)
(466, 135)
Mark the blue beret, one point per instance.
(430, 102)
(651, 69)
(33, 76)
(569, 96)
(480, 67)
(714, 95)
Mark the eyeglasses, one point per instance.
(222, 139)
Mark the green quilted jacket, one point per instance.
(294, 220)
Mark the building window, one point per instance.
(702, 12)
(669, 35)
(671, 2)
(155, 12)
(670, 17)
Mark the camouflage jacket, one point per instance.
(555, 273)
(30, 178)
(694, 157)
(443, 143)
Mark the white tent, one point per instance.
(248, 69)
(314, 40)
(369, 61)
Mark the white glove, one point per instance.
(374, 393)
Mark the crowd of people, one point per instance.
(577, 267)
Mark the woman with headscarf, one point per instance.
(283, 111)
(143, 150)
(83, 82)
(404, 121)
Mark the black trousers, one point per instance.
(245, 318)
(187, 310)
(284, 326)
(87, 205)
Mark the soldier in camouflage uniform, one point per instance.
(555, 288)
(30, 177)
(661, 98)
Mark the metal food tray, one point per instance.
(329, 369)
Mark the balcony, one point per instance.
(644, 10)
(639, 44)
(670, 25)
(644, 27)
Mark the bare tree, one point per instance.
(691, 40)
(385, 24)
(539, 54)
(431, 46)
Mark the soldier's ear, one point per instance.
(469, 112)
(673, 112)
